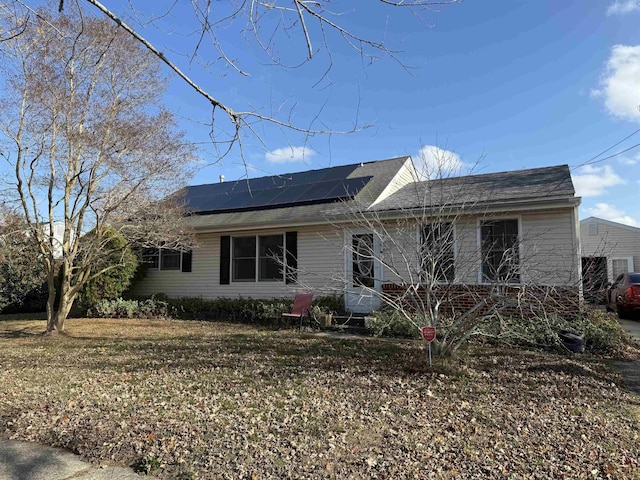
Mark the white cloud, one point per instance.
(623, 6)
(620, 82)
(592, 181)
(609, 212)
(629, 160)
(435, 162)
(290, 154)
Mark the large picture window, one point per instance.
(437, 263)
(500, 251)
(258, 257)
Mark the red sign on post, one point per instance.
(429, 334)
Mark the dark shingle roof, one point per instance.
(518, 185)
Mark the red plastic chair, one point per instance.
(301, 305)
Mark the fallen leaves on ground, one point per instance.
(209, 400)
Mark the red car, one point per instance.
(623, 296)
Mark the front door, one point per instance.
(364, 271)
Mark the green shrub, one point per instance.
(333, 304)
(603, 333)
(242, 310)
(147, 465)
(119, 308)
(23, 285)
(391, 323)
(121, 262)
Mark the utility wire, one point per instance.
(593, 160)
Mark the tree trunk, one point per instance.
(52, 324)
(57, 317)
(55, 322)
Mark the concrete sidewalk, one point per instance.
(31, 461)
(632, 327)
(630, 370)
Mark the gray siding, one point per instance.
(610, 240)
(549, 249)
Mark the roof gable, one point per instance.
(610, 223)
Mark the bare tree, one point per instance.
(425, 250)
(284, 33)
(88, 142)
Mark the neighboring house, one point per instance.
(609, 249)
(58, 236)
(268, 237)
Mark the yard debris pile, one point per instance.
(199, 400)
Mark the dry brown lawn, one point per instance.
(210, 400)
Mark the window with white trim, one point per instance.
(437, 263)
(257, 257)
(500, 251)
(621, 265)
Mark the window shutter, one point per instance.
(225, 259)
(186, 261)
(291, 239)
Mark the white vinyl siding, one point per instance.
(613, 241)
(548, 257)
(549, 250)
(320, 261)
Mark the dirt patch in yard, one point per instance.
(203, 400)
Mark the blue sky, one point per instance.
(496, 85)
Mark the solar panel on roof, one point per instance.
(319, 191)
(233, 201)
(324, 185)
(302, 178)
(290, 194)
(262, 197)
(353, 185)
(266, 182)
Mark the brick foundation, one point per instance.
(524, 301)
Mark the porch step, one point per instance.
(348, 329)
(350, 320)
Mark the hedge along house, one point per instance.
(269, 237)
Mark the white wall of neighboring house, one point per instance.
(619, 243)
(58, 236)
